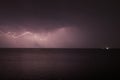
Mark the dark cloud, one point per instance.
(96, 21)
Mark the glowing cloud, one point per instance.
(30, 39)
(57, 38)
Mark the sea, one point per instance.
(59, 63)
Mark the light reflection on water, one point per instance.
(50, 64)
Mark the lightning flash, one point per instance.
(30, 39)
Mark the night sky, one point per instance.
(59, 24)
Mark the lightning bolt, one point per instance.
(15, 36)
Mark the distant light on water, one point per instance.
(107, 48)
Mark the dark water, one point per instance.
(58, 64)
